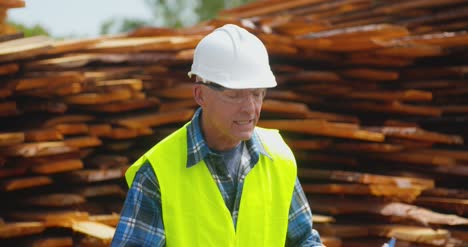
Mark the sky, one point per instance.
(78, 18)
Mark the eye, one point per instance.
(258, 93)
(231, 93)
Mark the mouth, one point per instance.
(244, 122)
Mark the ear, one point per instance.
(198, 95)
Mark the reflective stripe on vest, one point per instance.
(194, 212)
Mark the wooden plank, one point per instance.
(38, 149)
(446, 192)
(57, 166)
(313, 76)
(5, 92)
(269, 8)
(408, 233)
(455, 109)
(42, 135)
(18, 229)
(169, 106)
(12, 4)
(394, 107)
(125, 105)
(418, 134)
(50, 217)
(127, 133)
(454, 205)
(370, 59)
(343, 231)
(13, 171)
(48, 81)
(386, 31)
(445, 39)
(61, 63)
(40, 160)
(99, 129)
(24, 48)
(331, 241)
(94, 229)
(415, 158)
(89, 175)
(82, 142)
(329, 45)
(434, 73)
(70, 45)
(397, 211)
(317, 218)
(69, 118)
(408, 95)
(412, 51)
(182, 91)
(44, 106)
(71, 128)
(371, 74)
(155, 119)
(366, 178)
(9, 68)
(376, 190)
(402, 6)
(168, 43)
(332, 117)
(108, 219)
(285, 109)
(323, 128)
(8, 139)
(104, 161)
(135, 84)
(367, 147)
(8, 109)
(55, 200)
(99, 98)
(47, 241)
(24, 183)
(308, 144)
(102, 190)
(412, 233)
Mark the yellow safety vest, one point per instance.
(193, 210)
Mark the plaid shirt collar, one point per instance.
(197, 147)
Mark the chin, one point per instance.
(245, 135)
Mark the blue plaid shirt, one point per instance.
(141, 222)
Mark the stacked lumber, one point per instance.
(5, 5)
(74, 115)
(376, 113)
(371, 98)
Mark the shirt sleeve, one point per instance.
(300, 231)
(140, 221)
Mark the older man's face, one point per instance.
(232, 114)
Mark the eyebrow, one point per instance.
(212, 85)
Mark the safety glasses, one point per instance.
(236, 96)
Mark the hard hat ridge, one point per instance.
(233, 58)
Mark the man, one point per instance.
(219, 180)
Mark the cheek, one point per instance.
(258, 109)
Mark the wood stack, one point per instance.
(371, 98)
(6, 29)
(393, 163)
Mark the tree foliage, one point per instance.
(29, 31)
(173, 14)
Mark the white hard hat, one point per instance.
(233, 58)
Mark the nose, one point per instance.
(250, 103)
